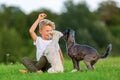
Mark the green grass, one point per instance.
(107, 69)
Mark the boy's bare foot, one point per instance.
(23, 71)
(39, 71)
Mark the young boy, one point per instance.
(45, 29)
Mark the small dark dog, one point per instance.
(79, 52)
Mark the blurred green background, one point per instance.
(95, 28)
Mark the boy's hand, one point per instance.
(41, 16)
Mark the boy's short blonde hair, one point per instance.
(46, 22)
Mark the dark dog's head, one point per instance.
(68, 34)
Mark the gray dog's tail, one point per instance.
(109, 48)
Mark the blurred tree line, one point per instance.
(97, 29)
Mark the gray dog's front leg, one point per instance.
(75, 64)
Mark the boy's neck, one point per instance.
(45, 39)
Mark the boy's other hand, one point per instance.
(41, 16)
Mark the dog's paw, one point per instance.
(74, 70)
(83, 70)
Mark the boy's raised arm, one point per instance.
(34, 26)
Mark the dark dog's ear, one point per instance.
(69, 29)
(65, 32)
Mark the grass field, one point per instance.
(107, 69)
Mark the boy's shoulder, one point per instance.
(39, 39)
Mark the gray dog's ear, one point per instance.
(63, 32)
(66, 31)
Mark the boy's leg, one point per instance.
(43, 64)
(46, 67)
(29, 64)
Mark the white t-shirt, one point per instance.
(41, 45)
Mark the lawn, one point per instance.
(107, 69)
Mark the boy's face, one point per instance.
(45, 32)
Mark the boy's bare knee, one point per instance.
(24, 59)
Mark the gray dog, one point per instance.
(79, 52)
